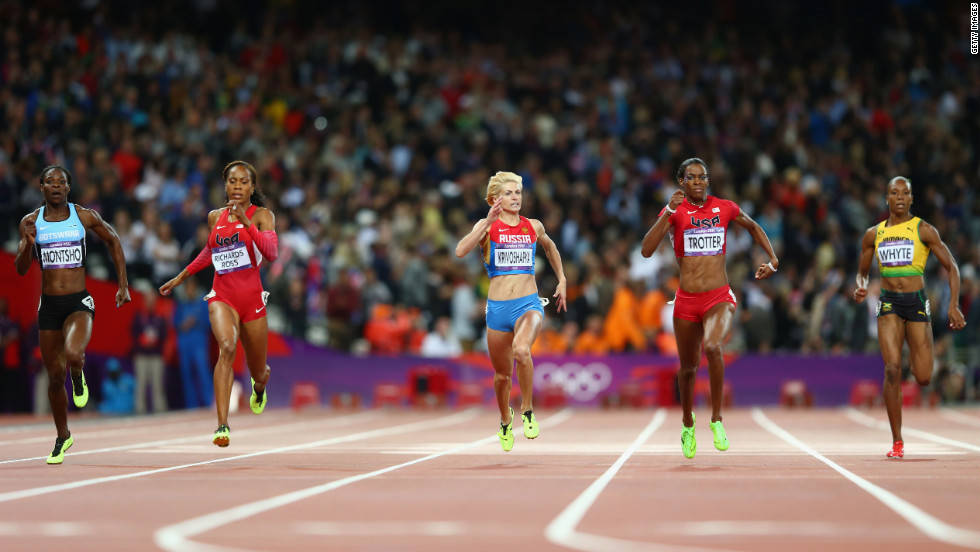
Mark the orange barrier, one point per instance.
(865, 393)
(794, 393)
(911, 394)
(304, 393)
(389, 394)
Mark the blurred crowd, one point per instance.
(374, 136)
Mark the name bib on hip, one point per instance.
(230, 258)
(896, 253)
(704, 241)
(61, 255)
(513, 258)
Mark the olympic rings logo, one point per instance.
(581, 383)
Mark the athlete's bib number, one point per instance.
(230, 258)
(61, 255)
(704, 241)
(513, 259)
(896, 253)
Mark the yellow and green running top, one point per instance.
(900, 250)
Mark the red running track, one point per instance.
(437, 480)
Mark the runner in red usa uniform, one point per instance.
(242, 237)
(705, 304)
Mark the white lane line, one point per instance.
(384, 432)
(125, 427)
(345, 420)
(89, 419)
(809, 529)
(45, 529)
(931, 526)
(177, 537)
(375, 528)
(561, 530)
(959, 417)
(865, 420)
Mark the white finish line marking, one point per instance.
(561, 530)
(415, 426)
(868, 421)
(934, 528)
(176, 537)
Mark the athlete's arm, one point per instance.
(554, 257)
(864, 264)
(28, 233)
(93, 221)
(930, 236)
(262, 229)
(479, 230)
(202, 260)
(759, 235)
(657, 232)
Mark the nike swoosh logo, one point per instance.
(43, 227)
(691, 212)
(259, 310)
(220, 226)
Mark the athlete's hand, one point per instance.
(495, 209)
(235, 208)
(122, 297)
(560, 293)
(860, 293)
(165, 288)
(676, 199)
(956, 319)
(765, 271)
(30, 232)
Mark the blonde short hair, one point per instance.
(497, 182)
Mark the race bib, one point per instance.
(513, 258)
(896, 253)
(230, 258)
(61, 255)
(704, 241)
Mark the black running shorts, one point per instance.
(55, 309)
(911, 307)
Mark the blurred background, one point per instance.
(374, 128)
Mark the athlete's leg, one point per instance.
(78, 332)
(717, 324)
(919, 337)
(500, 347)
(525, 332)
(688, 335)
(255, 341)
(891, 336)
(224, 325)
(52, 344)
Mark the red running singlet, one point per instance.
(236, 261)
(701, 231)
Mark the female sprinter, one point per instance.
(242, 235)
(705, 304)
(514, 312)
(902, 243)
(56, 233)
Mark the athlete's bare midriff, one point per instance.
(903, 284)
(511, 286)
(700, 274)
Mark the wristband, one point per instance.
(772, 268)
(668, 209)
